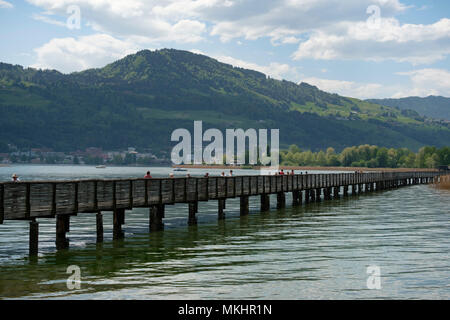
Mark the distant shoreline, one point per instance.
(305, 168)
(235, 167)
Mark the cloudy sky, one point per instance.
(358, 48)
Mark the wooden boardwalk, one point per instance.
(63, 199)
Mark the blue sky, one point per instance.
(358, 48)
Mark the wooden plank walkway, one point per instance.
(62, 199)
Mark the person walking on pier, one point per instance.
(231, 173)
(148, 176)
(15, 178)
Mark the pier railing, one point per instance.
(62, 199)
(25, 200)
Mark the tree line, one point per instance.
(368, 156)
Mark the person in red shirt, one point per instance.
(148, 176)
(281, 172)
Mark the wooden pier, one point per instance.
(62, 199)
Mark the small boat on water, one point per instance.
(101, 167)
(179, 169)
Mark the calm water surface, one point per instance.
(317, 251)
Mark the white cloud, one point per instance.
(76, 54)
(422, 83)
(5, 4)
(426, 82)
(416, 44)
(325, 29)
(132, 18)
(282, 21)
(46, 19)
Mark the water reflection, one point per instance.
(319, 250)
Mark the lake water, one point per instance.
(317, 251)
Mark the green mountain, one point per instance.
(140, 99)
(432, 106)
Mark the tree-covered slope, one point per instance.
(140, 99)
(432, 106)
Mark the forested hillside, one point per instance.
(432, 106)
(140, 99)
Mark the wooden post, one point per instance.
(312, 194)
(28, 201)
(156, 215)
(34, 237)
(193, 206)
(244, 205)
(2, 209)
(345, 191)
(265, 202)
(118, 220)
(318, 193)
(307, 196)
(294, 198)
(221, 213)
(99, 218)
(336, 192)
(281, 200)
(62, 221)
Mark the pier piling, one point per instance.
(221, 207)
(318, 194)
(193, 207)
(244, 205)
(99, 223)
(118, 221)
(281, 200)
(34, 238)
(265, 202)
(156, 216)
(62, 227)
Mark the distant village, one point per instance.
(89, 156)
